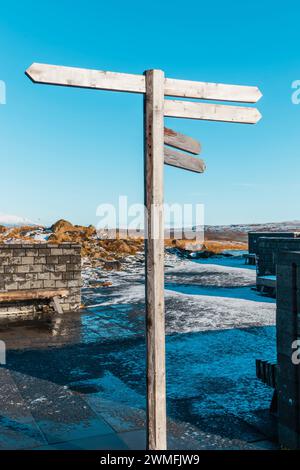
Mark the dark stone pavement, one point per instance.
(78, 382)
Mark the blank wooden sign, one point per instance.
(181, 141)
(183, 161)
(179, 159)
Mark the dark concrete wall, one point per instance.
(253, 238)
(40, 266)
(288, 330)
(268, 250)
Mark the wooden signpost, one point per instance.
(155, 87)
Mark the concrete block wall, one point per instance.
(268, 249)
(288, 330)
(253, 238)
(40, 266)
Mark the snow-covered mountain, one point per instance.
(10, 220)
(238, 232)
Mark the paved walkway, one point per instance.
(70, 383)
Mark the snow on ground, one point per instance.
(216, 327)
(199, 296)
(210, 275)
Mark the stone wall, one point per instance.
(40, 266)
(288, 330)
(268, 250)
(253, 238)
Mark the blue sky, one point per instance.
(65, 151)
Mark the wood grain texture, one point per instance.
(183, 161)
(182, 142)
(154, 249)
(102, 80)
(33, 294)
(57, 307)
(211, 112)
(85, 78)
(211, 91)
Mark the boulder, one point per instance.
(61, 226)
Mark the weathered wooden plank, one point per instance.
(182, 142)
(211, 91)
(211, 112)
(85, 78)
(154, 249)
(101, 80)
(183, 160)
(57, 306)
(34, 294)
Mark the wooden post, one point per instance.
(154, 254)
(154, 86)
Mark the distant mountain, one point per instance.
(10, 220)
(238, 232)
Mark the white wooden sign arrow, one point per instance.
(100, 80)
(155, 87)
(211, 112)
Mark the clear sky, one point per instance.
(66, 150)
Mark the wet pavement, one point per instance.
(77, 381)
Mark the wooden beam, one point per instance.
(211, 112)
(57, 306)
(101, 80)
(34, 294)
(85, 78)
(183, 160)
(154, 250)
(211, 91)
(181, 141)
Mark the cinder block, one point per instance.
(23, 285)
(56, 251)
(15, 260)
(36, 284)
(71, 267)
(27, 260)
(23, 269)
(60, 268)
(74, 283)
(56, 276)
(10, 269)
(32, 252)
(49, 268)
(36, 268)
(12, 286)
(40, 260)
(44, 252)
(49, 284)
(5, 261)
(60, 284)
(52, 260)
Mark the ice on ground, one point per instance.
(199, 296)
(210, 274)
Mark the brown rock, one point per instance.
(61, 225)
